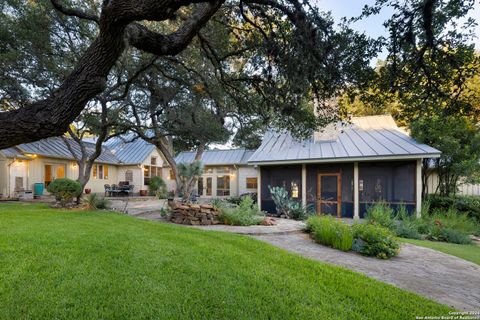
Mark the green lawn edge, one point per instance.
(469, 252)
(84, 265)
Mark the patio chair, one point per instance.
(115, 191)
(128, 189)
(108, 190)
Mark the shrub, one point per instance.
(94, 201)
(374, 240)
(64, 190)
(469, 205)
(454, 236)
(330, 232)
(408, 230)
(381, 214)
(245, 214)
(157, 187)
(234, 200)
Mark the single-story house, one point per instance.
(345, 168)
(122, 159)
(340, 171)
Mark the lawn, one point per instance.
(468, 252)
(96, 265)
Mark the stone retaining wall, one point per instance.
(194, 214)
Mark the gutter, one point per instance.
(343, 160)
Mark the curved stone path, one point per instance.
(441, 277)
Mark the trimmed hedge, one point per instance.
(65, 190)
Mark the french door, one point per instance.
(52, 172)
(329, 194)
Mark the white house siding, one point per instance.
(137, 175)
(463, 189)
(245, 172)
(3, 176)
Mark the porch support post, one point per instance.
(259, 188)
(418, 188)
(356, 201)
(304, 185)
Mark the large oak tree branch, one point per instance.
(52, 116)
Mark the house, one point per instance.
(122, 159)
(341, 170)
(344, 169)
(226, 172)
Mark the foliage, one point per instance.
(189, 173)
(469, 205)
(288, 207)
(157, 187)
(165, 212)
(64, 190)
(245, 214)
(114, 265)
(408, 230)
(331, 232)
(458, 137)
(381, 214)
(374, 240)
(93, 202)
(234, 200)
(453, 236)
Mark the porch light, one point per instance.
(294, 190)
(31, 155)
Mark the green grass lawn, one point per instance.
(94, 265)
(468, 252)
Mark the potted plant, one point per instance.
(143, 193)
(88, 190)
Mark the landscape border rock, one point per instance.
(194, 214)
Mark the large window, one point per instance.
(100, 172)
(251, 183)
(151, 171)
(223, 185)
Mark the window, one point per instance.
(100, 172)
(223, 185)
(252, 183)
(200, 187)
(209, 186)
(149, 172)
(171, 175)
(129, 175)
(153, 161)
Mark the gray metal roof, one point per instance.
(55, 148)
(130, 150)
(217, 157)
(366, 138)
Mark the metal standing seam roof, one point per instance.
(217, 157)
(129, 150)
(373, 137)
(55, 148)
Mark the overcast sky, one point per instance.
(373, 26)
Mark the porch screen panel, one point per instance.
(288, 177)
(390, 182)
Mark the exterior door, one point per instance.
(329, 194)
(52, 172)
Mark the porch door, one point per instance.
(52, 172)
(329, 194)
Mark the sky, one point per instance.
(373, 25)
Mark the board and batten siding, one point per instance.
(465, 189)
(245, 172)
(3, 176)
